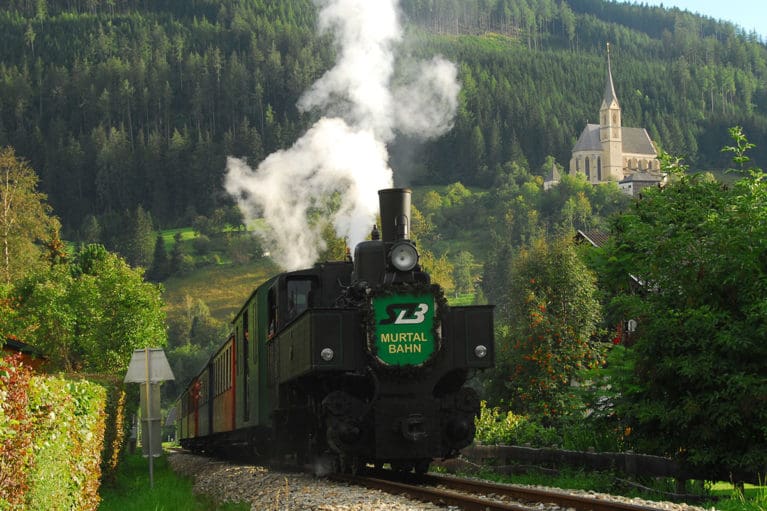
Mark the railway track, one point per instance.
(473, 495)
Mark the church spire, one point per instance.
(610, 131)
(610, 95)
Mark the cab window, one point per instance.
(299, 296)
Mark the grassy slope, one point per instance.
(224, 288)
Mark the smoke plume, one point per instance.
(344, 155)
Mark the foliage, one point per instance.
(507, 428)
(121, 104)
(16, 432)
(26, 223)
(495, 426)
(91, 314)
(118, 421)
(51, 439)
(697, 390)
(552, 312)
(463, 272)
(69, 431)
(160, 263)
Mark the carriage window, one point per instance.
(299, 296)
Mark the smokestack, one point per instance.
(395, 213)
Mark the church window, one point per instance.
(588, 167)
(599, 169)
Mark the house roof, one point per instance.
(635, 140)
(596, 238)
(642, 177)
(12, 344)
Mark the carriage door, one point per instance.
(245, 366)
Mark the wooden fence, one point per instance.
(633, 465)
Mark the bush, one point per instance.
(202, 245)
(118, 422)
(497, 427)
(15, 432)
(69, 431)
(57, 437)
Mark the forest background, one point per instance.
(127, 109)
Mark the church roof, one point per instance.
(635, 140)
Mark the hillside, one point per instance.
(121, 104)
(223, 288)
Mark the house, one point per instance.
(552, 178)
(633, 184)
(30, 355)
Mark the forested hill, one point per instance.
(120, 103)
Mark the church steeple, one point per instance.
(610, 95)
(610, 130)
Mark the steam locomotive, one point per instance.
(345, 364)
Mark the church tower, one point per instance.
(610, 131)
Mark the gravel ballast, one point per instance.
(267, 489)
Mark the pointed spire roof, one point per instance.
(553, 174)
(610, 95)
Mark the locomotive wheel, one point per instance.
(422, 466)
(325, 464)
(401, 466)
(357, 466)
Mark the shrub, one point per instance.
(15, 432)
(497, 427)
(57, 437)
(202, 245)
(69, 431)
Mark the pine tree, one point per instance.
(160, 265)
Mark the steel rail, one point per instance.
(430, 494)
(448, 490)
(560, 498)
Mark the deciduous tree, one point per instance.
(90, 314)
(552, 314)
(699, 386)
(26, 222)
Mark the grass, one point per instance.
(171, 492)
(722, 495)
(754, 498)
(223, 288)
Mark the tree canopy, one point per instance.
(698, 249)
(88, 315)
(26, 223)
(127, 104)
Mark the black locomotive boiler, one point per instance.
(356, 363)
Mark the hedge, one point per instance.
(58, 436)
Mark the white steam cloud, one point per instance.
(345, 152)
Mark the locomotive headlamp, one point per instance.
(404, 256)
(327, 354)
(480, 351)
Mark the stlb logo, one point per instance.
(405, 314)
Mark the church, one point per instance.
(609, 151)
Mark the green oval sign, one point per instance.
(404, 328)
